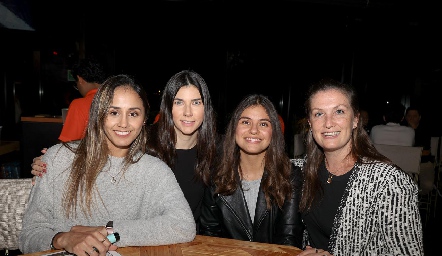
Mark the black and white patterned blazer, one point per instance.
(378, 213)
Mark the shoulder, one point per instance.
(154, 163)
(58, 149)
(385, 174)
(376, 128)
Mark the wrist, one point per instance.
(53, 241)
(110, 227)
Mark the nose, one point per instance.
(329, 122)
(123, 121)
(254, 129)
(188, 110)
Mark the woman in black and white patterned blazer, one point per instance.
(354, 200)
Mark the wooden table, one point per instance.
(9, 146)
(206, 245)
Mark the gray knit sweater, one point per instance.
(146, 205)
(378, 213)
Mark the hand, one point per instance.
(314, 251)
(84, 240)
(38, 166)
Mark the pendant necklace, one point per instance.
(330, 175)
(113, 180)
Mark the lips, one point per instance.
(253, 139)
(122, 133)
(331, 133)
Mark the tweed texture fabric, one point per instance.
(14, 194)
(378, 213)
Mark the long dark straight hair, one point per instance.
(163, 137)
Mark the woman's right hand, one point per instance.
(84, 240)
(38, 166)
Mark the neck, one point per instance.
(186, 141)
(339, 166)
(251, 167)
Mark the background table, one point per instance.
(9, 146)
(206, 245)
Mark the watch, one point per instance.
(110, 227)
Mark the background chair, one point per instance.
(299, 147)
(14, 195)
(436, 152)
(407, 158)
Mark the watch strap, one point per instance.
(110, 227)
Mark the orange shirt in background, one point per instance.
(76, 120)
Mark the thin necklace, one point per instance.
(330, 175)
(113, 180)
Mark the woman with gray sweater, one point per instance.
(106, 184)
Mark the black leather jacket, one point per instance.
(228, 216)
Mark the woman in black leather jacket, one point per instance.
(254, 192)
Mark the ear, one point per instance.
(80, 79)
(356, 121)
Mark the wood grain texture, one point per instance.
(206, 245)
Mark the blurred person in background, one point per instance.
(392, 132)
(88, 74)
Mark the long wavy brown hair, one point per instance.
(91, 153)
(361, 146)
(276, 181)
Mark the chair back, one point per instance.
(406, 157)
(14, 195)
(299, 146)
(435, 147)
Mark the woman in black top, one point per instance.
(185, 134)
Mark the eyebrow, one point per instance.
(133, 108)
(190, 100)
(248, 118)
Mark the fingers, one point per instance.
(38, 167)
(94, 246)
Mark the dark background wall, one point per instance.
(386, 49)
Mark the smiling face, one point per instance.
(332, 120)
(187, 111)
(253, 133)
(124, 121)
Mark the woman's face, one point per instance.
(332, 120)
(187, 111)
(124, 121)
(253, 133)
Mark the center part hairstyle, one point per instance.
(163, 137)
(361, 147)
(91, 153)
(276, 181)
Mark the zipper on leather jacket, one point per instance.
(237, 217)
(263, 217)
